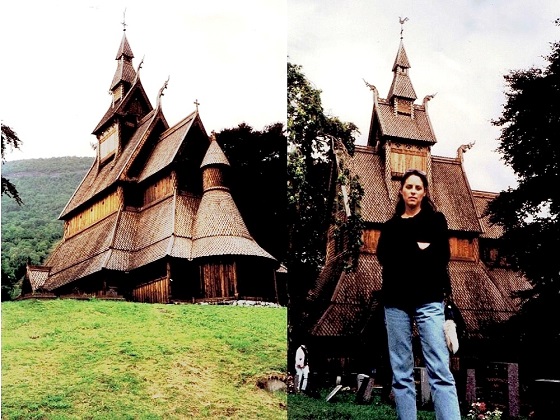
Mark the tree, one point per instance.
(315, 175)
(530, 213)
(9, 140)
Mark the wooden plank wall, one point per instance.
(219, 279)
(154, 292)
(159, 189)
(94, 213)
(403, 159)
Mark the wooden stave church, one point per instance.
(344, 322)
(153, 220)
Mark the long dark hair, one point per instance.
(427, 204)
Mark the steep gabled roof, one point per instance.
(169, 144)
(119, 107)
(452, 194)
(97, 181)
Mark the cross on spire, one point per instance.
(123, 23)
(196, 103)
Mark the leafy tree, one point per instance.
(9, 140)
(317, 143)
(529, 213)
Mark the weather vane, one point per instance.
(124, 20)
(402, 21)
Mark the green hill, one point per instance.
(45, 186)
(67, 359)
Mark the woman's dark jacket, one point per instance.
(412, 276)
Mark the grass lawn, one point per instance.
(343, 407)
(66, 359)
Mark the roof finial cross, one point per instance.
(196, 104)
(123, 23)
(402, 21)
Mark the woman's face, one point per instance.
(413, 192)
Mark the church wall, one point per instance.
(405, 157)
(156, 291)
(159, 189)
(97, 211)
(219, 278)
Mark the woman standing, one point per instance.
(414, 251)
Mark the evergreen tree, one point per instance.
(530, 213)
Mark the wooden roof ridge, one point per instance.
(65, 209)
(190, 118)
(156, 116)
(485, 194)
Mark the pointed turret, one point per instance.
(219, 228)
(125, 73)
(401, 88)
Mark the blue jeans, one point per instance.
(429, 319)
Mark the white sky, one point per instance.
(458, 49)
(59, 60)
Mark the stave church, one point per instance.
(344, 323)
(153, 220)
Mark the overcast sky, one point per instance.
(458, 49)
(58, 61)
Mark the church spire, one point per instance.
(401, 88)
(125, 73)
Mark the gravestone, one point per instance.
(502, 387)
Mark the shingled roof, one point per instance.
(481, 201)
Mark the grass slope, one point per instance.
(66, 359)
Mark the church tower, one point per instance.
(401, 129)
